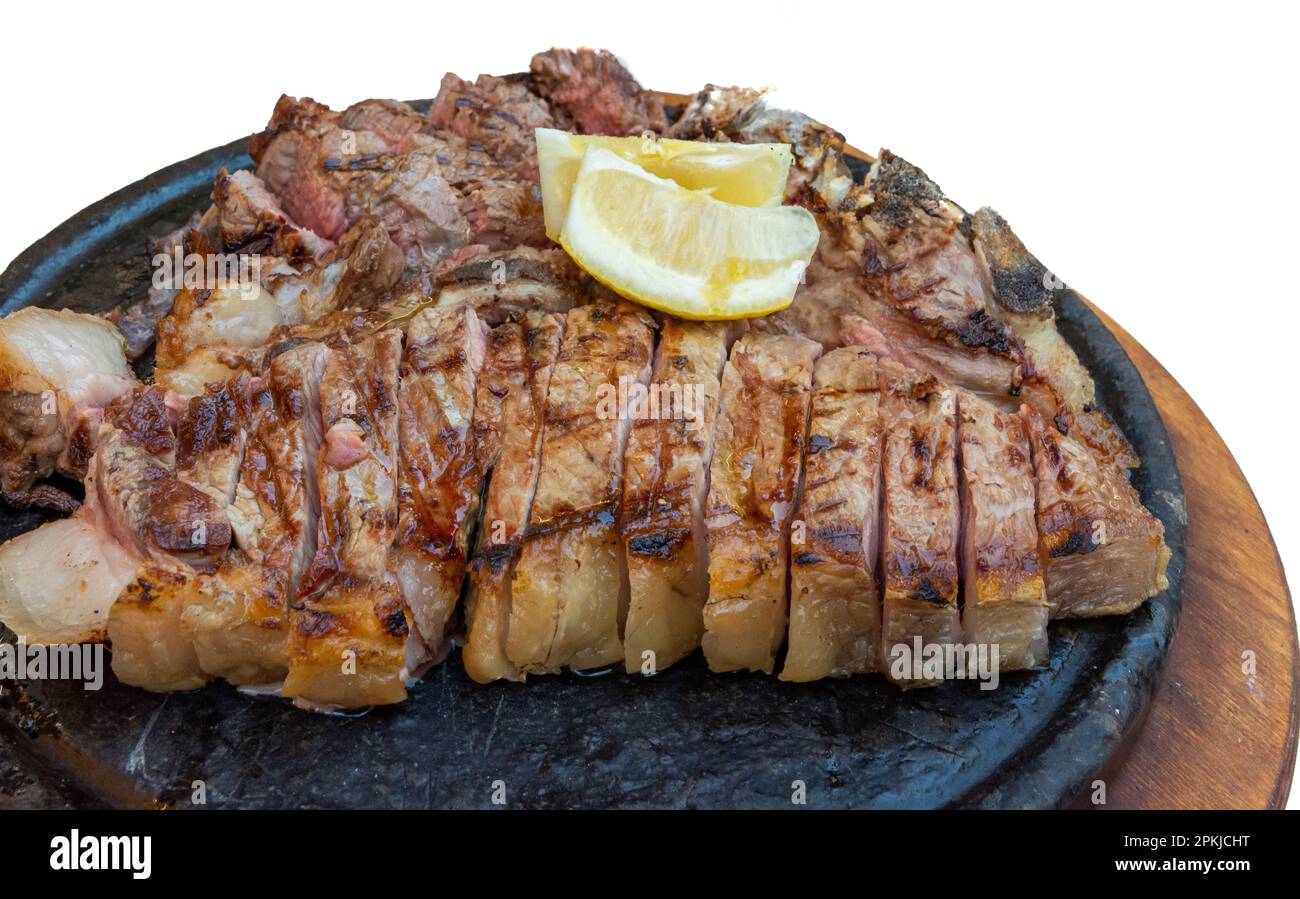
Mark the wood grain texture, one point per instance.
(1215, 737)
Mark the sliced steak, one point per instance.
(348, 625)
(570, 593)
(251, 220)
(509, 415)
(439, 475)
(176, 527)
(1004, 603)
(595, 91)
(496, 115)
(238, 618)
(753, 491)
(666, 473)
(1057, 384)
(921, 520)
(1103, 553)
(834, 602)
(505, 285)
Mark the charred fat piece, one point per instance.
(834, 603)
(1002, 580)
(438, 474)
(349, 626)
(509, 415)
(60, 580)
(754, 486)
(570, 593)
(919, 552)
(238, 619)
(666, 472)
(1103, 552)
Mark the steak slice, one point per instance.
(753, 492)
(495, 115)
(348, 625)
(175, 526)
(666, 471)
(834, 603)
(509, 415)
(239, 614)
(250, 220)
(1103, 553)
(1004, 603)
(503, 286)
(919, 545)
(439, 478)
(570, 591)
(595, 91)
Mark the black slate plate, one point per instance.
(682, 739)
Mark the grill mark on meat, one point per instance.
(921, 514)
(753, 491)
(362, 659)
(1102, 552)
(666, 470)
(570, 589)
(508, 424)
(439, 473)
(834, 603)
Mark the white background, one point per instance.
(1145, 152)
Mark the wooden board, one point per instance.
(1215, 737)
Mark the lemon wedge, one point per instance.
(745, 174)
(682, 251)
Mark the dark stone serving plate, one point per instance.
(685, 738)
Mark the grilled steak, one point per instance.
(174, 528)
(595, 91)
(1004, 602)
(834, 603)
(294, 500)
(1057, 384)
(495, 116)
(570, 593)
(666, 471)
(753, 491)
(918, 556)
(505, 285)
(509, 415)
(1103, 553)
(348, 626)
(238, 618)
(438, 472)
(250, 220)
(244, 306)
